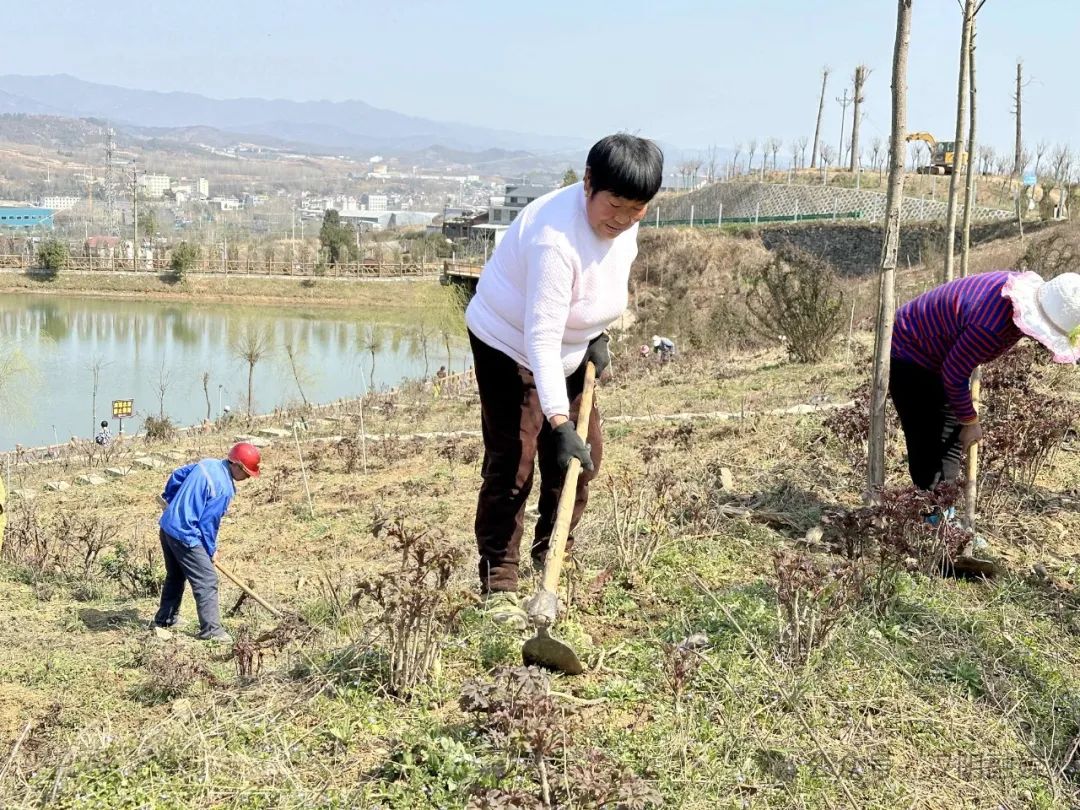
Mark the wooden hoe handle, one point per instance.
(557, 549)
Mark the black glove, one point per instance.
(598, 353)
(568, 445)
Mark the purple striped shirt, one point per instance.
(953, 329)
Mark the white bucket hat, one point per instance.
(1048, 311)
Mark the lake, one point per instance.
(156, 353)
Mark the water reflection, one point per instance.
(133, 341)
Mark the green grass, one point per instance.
(384, 295)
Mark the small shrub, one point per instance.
(159, 428)
(639, 521)
(895, 533)
(185, 257)
(529, 729)
(681, 663)
(53, 256)
(1024, 424)
(65, 550)
(135, 577)
(811, 599)
(596, 781)
(1054, 253)
(850, 426)
(352, 453)
(416, 606)
(173, 673)
(275, 487)
(796, 300)
(249, 650)
(520, 716)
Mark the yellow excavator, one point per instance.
(941, 154)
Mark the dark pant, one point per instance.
(930, 427)
(191, 564)
(515, 435)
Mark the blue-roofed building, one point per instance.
(25, 216)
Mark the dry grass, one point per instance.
(892, 713)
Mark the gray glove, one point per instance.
(568, 445)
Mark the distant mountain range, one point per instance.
(347, 126)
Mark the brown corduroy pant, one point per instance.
(516, 435)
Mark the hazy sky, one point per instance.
(690, 72)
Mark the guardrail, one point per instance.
(240, 267)
(759, 220)
(460, 270)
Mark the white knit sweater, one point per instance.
(550, 287)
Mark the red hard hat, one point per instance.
(247, 456)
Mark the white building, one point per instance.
(226, 203)
(154, 185)
(374, 202)
(202, 188)
(60, 203)
(506, 208)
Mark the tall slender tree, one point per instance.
(862, 72)
(969, 176)
(958, 145)
(875, 468)
(1018, 165)
(972, 471)
(820, 112)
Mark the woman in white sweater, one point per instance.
(557, 280)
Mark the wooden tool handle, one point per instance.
(971, 472)
(236, 581)
(557, 549)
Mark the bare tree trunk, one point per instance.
(820, 111)
(95, 370)
(295, 371)
(958, 146)
(969, 177)
(251, 379)
(1018, 159)
(972, 470)
(861, 72)
(206, 391)
(875, 475)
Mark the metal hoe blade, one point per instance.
(544, 651)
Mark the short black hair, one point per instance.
(104, 424)
(626, 166)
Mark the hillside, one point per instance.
(337, 125)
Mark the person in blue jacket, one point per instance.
(196, 497)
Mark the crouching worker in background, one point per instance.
(942, 336)
(557, 280)
(195, 499)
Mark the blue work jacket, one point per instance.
(197, 496)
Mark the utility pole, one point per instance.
(843, 102)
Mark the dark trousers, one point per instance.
(188, 564)
(931, 429)
(516, 434)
